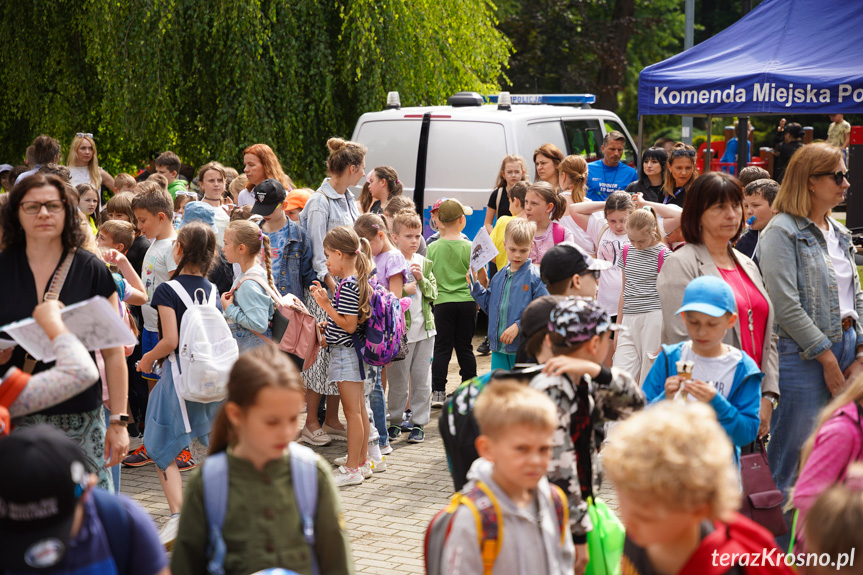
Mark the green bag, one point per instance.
(605, 541)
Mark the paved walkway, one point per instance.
(387, 515)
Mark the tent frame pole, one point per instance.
(640, 152)
(709, 150)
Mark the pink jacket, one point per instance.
(838, 443)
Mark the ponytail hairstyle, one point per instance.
(618, 202)
(245, 233)
(263, 366)
(344, 239)
(644, 221)
(575, 168)
(549, 196)
(366, 200)
(343, 155)
(391, 177)
(510, 159)
(368, 225)
(198, 242)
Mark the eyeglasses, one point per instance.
(838, 177)
(33, 208)
(594, 272)
(680, 152)
(84, 135)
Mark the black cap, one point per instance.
(269, 194)
(534, 319)
(566, 260)
(44, 475)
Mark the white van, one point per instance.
(467, 140)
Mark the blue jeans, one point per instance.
(247, 339)
(378, 402)
(803, 395)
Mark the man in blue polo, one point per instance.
(609, 174)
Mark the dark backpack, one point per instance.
(117, 525)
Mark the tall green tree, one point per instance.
(207, 79)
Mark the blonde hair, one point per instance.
(504, 404)
(406, 220)
(676, 454)
(237, 185)
(160, 180)
(121, 233)
(92, 166)
(510, 159)
(575, 167)
(245, 233)
(399, 204)
(833, 523)
(520, 232)
(123, 181)
(644, 221)
(794, 195)
(344, 239)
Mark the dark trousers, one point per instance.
(455, 323)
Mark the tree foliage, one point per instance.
(207, 79)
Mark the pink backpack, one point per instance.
(661, 257)
(295, 329)
(557, 232)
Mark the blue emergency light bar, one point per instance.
(553, 99)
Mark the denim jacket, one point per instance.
(525, 286)
(801, 281)
(326, 209)
(295, 267)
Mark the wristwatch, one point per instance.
(119, 419)
(774, 399)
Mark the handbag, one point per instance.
(605, 540)
(762, 501)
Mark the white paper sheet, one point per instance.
(94, 321)
(7, 343)
(482, 250)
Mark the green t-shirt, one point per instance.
(450, 261)
(177, 185)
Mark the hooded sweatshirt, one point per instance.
(531, 541)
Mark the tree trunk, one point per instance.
(613, 56)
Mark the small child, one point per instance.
(516, 195)
(678, 490)
(510, 292)
(166, 438)
(758, 199)
(120, 208)
(435, 223)
(720, 375)
(124, 182)
(454, 310)
(249, 308)
(398, 205)
(348, 257)
(640, 310)
(255, 427)
(834, 525)
(415, 369)
(296, 202)
(517, 426)
(180, 200)
(568, 271)
(545, 206)
(88, 203)
(113, 241)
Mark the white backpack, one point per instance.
(207, 350)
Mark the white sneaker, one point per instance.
(318, 437)
(168, 532)
(379, 466)
(345, 477)
(386, 450)
(339, 461)
(366, 469)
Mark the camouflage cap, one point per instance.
(577, 319)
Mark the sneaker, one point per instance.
(345, 477)
(387, 449)
(335, 434)
(394, 431)
(417, 435)
(366, 469)
(438, 398)
(379, 466)
(138, 458)
(318, 437)
(185, 462)
(168, 532)
(406, 421)
(484, 348)
(340, 461)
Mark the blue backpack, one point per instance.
(304, 475)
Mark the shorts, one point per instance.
(149, 339)
(344, 365)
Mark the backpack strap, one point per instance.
(181, 293)
(117, 525)
(661, 260)
(304, 476)
(561, 509)
(557, 233)
(625, 251)
(486, 512)
(215, 481)
(601, 233)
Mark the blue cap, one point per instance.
(709, 295)
(199, 212)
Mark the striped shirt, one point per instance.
(347, 302)
(641, 269)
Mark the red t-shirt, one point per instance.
(748, 296)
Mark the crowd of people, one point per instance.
(657, 325)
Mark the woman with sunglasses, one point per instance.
(680, 174)
(83, 164)
(41, 227)
(807, 259)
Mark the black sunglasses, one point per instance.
(594, 272)
(838, 177)
(680, 152)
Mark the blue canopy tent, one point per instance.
(784, 57)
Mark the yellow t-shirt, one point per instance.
(497, 236)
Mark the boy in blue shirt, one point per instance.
(722, 376)
(510, 292)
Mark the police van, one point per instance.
(455, 151)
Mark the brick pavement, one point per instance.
(386, 515)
